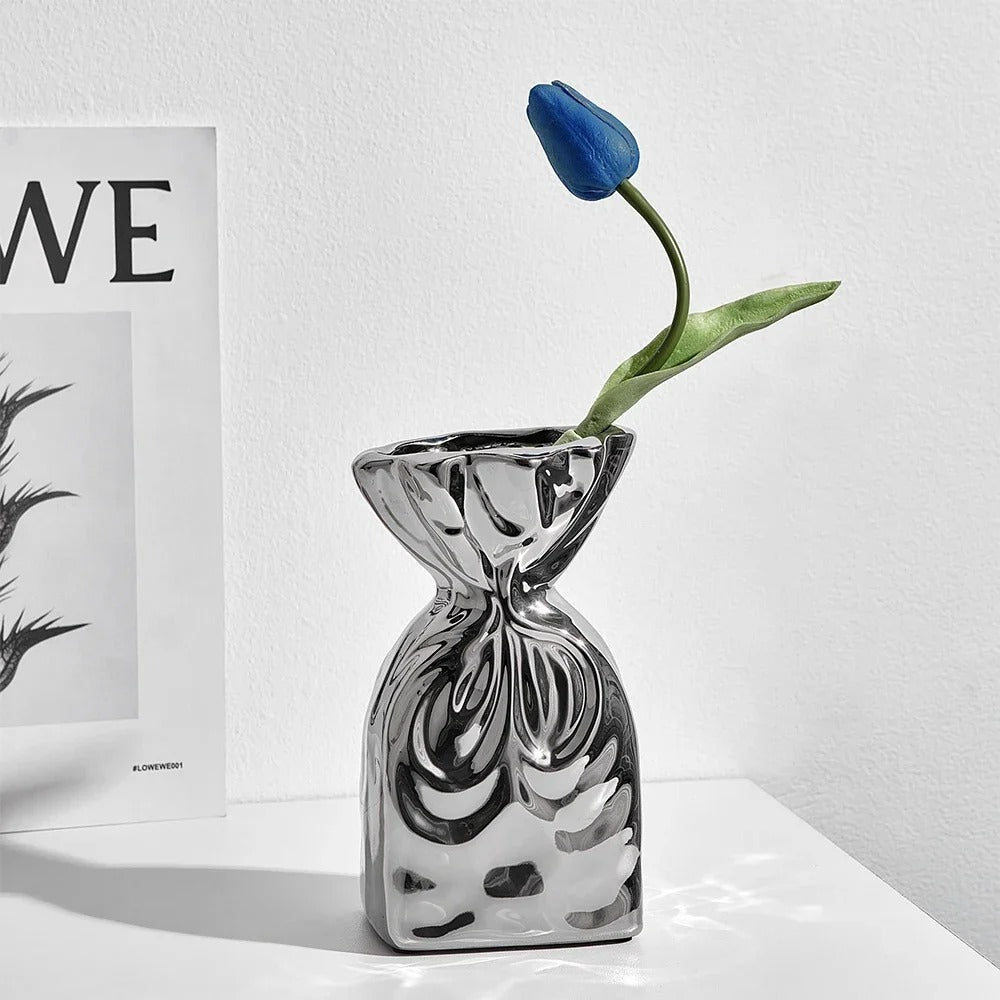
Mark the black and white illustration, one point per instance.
(67, 520)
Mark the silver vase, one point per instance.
(500, 784)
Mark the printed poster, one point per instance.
(111, 591)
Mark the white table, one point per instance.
(743, 899)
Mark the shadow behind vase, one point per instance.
(500, 790)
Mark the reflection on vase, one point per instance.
(500, 788)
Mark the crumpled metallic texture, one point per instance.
(500, 787)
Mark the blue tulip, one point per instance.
(591, 151)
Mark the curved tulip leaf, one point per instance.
(704, 333)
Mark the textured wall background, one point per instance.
(799, 571)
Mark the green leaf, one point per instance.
(704, 333)
(635, 364)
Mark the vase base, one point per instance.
(622, 931)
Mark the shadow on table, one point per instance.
(699, 930)
(308, 909)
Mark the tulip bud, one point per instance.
(591, 151)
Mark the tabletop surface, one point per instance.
(742, 899)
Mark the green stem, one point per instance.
(681, 304)
(652, 218)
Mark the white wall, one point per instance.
(799, 571)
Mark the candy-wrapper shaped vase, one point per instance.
(500, 784)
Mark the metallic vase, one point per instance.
(500, 784)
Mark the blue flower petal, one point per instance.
(590, 150)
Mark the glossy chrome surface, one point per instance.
(500, 792)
